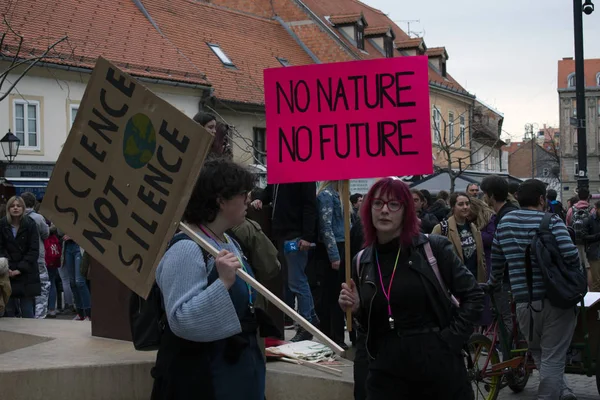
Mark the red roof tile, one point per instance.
(409, 43)
(252, 43)
(344, 19)
(115, 29)
(377, 31)
(567, 66)
(437, 51)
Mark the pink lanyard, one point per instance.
(389, 291)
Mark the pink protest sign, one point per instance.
(351, 120)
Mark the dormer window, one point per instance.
(571, 81)
(598, 79)
(359, 35)
(444, 72)
(221, 55)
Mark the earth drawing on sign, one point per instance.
(139, 141)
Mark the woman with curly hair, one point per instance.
(210, 348)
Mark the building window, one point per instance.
(73, 108)
(576, 168)
(462, 131)
(598, 79)
(437, 120)
(451, 127)
(546, 172)
(27, 122)
(598, 106)
(260, 150)
(444, 72)
(221, 54)
(283, 62)
(388, 44)
(571, 81)
(359, 35)
(574, 107)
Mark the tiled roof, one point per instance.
(344, 19)
(374, 17)
(377, 30)
(437, 51)
(567, 66)
(409, 43)
(252, 43)
(115, 29)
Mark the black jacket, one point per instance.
(440, 210)
(593, 238)
(506, 208)
(456, 325)
(22, 252)
(428, 221)
(294, 210)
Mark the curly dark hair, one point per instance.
(220, 179)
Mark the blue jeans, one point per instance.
(23, 307)
(53, 276)
(81, 293)
(298, 283)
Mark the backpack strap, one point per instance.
(444, 225)
(436, 270)
(545, 224)
(544, 227)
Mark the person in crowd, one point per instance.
(414, 336)
(209, 122)
(428, 221)
(210, 347)
(484, 219)
(356, 200)
(444, 195)
(19, 243)
(294, 225)
(439, 210)
(52, 256)
(5, 288)
(552, 327)
(554, 206)
(496, 195)
(329, 257)
(41, 301)
(473, 190)
(593, 250)
(72, 266)
(464, 236)
(580, 211)
(428, 199)
(572, 201)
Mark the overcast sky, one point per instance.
(505, 52)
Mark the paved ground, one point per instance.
(584, 388)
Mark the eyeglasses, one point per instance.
(392, 205)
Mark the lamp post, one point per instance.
(578, 10)
(10, 147)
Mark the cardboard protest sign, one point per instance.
(359, 119)
(125, 174)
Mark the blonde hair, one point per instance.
(483, 211)
(9, 203)
(325, 184)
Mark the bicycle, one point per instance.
(491, 375)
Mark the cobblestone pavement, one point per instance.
(583, 387)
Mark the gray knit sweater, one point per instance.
(195, 311)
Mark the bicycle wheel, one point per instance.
(484, 386)
(519, 378)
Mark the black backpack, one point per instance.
(147, 318)
(566, 285)
(580, 219)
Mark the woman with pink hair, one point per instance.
(400, 297)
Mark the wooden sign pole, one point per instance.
(265, 292)
(345, 195)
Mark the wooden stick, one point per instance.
(345, 194)
(265, 292)
(309, 364)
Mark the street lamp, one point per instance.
(10, 146)
(578, 10)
